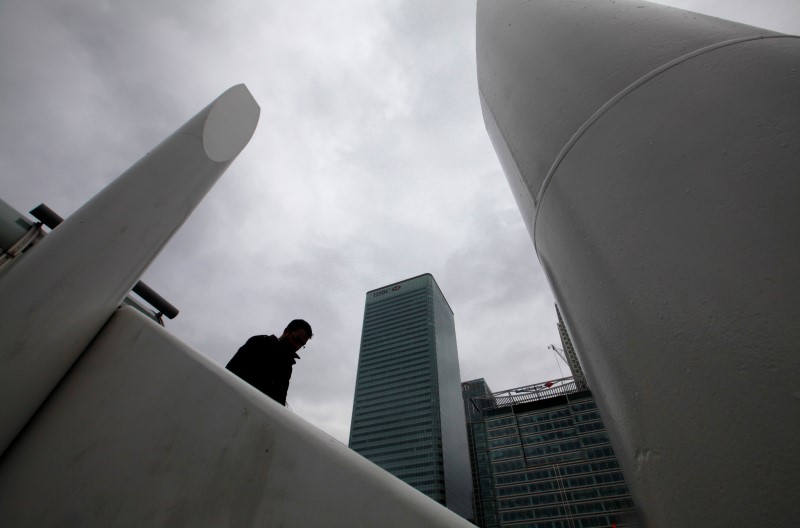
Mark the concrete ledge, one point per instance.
(145, 431)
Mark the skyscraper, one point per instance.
(542, 458)
(569, 352)
(482, 484)
(408, 413)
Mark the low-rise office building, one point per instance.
(542, 459)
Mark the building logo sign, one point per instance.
(384, 292)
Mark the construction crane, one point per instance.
(559, 353)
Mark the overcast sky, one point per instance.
(370, 165)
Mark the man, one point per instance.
(265, 362)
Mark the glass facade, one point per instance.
(543, 463)
(408, 412)
(483, 503)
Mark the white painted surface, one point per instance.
(655, 156)
(55, 300)
(227, 124)
(545, 67)
(144, 431)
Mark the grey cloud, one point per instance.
(370, 165)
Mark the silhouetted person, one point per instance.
(265, 362)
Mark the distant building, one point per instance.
(542, 459)
(408, 412)
(483, 503)
(569, 352)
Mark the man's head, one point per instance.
(296, 334)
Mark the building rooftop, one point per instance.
(529, 393)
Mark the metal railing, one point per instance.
(529, 393)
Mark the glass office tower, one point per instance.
(543, 460)
(408, 414)
(483, 495)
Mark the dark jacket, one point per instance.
(266, 364)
